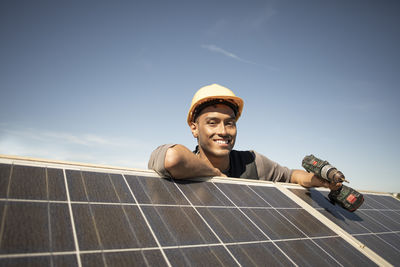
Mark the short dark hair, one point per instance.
(213, 102)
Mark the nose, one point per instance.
(221, 130)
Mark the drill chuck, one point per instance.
(322, 169)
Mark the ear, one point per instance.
(195, 129)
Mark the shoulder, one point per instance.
(157, 157)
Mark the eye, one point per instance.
(230, 123)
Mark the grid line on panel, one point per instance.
(36, 254)
(48, 217)
(308, 237)
(382, 233)
(136, 204)
(93, 251)
(9, 181)
(34, 201)
(212, 230)
(78, 257)
(115, 190)
(147, 223)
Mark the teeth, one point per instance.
(222, 141)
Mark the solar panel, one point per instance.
(59, 214)
(376, 223)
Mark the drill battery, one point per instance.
(347, 197)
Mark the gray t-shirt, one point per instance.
(243, 164)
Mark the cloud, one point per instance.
(87, 148)
(214, 48)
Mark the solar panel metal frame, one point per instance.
(128, 171)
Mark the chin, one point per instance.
(217, 151)
(222, 153)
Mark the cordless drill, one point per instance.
(345, 196)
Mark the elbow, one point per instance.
(173, 160)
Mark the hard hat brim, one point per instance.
(232, 99)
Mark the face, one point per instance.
(215, 130)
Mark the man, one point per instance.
(212, 119)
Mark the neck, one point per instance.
(221, 163)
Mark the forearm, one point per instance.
(181, 163)
(307, 179)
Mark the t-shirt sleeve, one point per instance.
(157, 159)
(271, 171)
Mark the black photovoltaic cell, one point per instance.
(376, 223)
(124, 219)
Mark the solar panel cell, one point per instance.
(200, 256)
(242, 196)
(40, 261)
(60, 229)
(121, 189)
(132, 258)
(387, 202)
(177, 226)
(389, 220)
(203, 194)
(55, 184)
(343, 252)
(76, 186)
(349, 222)
(309, 225)
(152, 190)
(110, 227)
(371, 224)
(274, 197)
(306, 252)
(28, 183)
(231, 225)
(259, 254)
(392, 239)
(374, 202)
(390, 252)
(34, 227)
(4, 179)
(98, 187)
(273, 224)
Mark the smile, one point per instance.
(224, 142)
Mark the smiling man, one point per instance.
(212, 119)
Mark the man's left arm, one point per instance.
(308, 179)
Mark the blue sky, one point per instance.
(108, 81)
